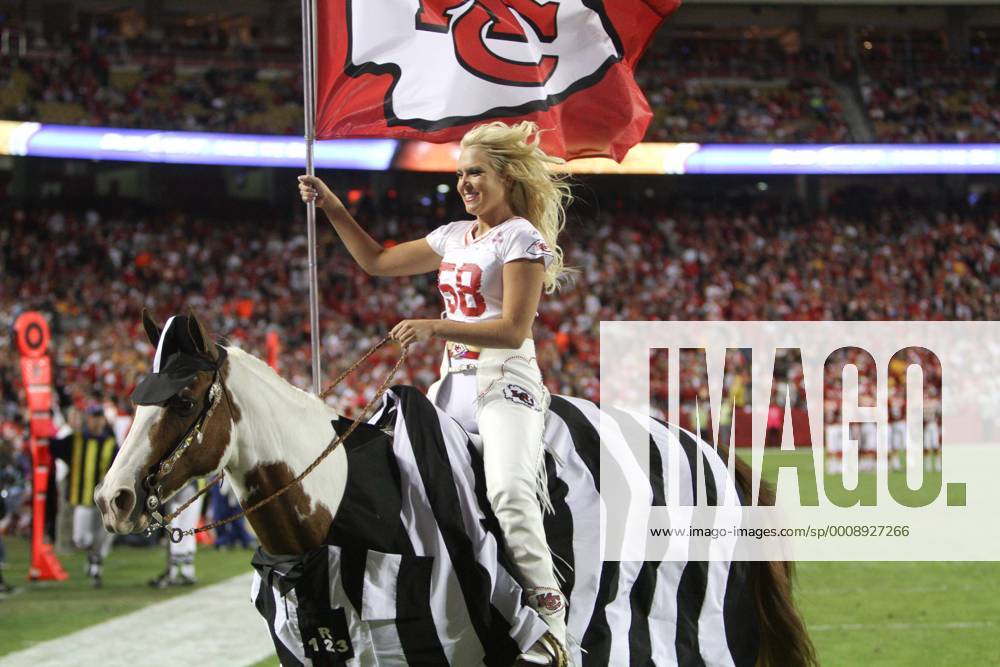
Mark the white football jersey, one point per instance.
(470, 277)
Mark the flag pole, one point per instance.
(309, 104)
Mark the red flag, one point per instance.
(385, 70)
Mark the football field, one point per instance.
(870, 613)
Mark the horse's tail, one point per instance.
(784, 641)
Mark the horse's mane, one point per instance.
(261, 370)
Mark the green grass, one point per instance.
(46, 610)
(896, 613)
(872, 614)
(902, 614)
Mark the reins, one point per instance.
(177, 534)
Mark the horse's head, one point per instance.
(182, 428)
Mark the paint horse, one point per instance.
(388, 552)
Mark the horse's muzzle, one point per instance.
(120, 509)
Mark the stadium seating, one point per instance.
(705, 89)
(915, 89)
(686, 261)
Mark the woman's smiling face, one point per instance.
(481, 188)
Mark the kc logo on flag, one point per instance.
(471, 48)
(433, 69)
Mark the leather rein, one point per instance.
(195, 435)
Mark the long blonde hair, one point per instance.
(536, 193)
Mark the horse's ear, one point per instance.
(153, 329)
(200, 337)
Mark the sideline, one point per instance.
(215, 625)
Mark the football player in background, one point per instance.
(88, 448)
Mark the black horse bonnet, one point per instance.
(175, 364)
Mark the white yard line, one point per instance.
(900, 626)
(847, 590)
(216, 625)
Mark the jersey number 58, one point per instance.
(462, 292)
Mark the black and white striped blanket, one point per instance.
(415, 573)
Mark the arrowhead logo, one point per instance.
(457, 61)
(494, 19)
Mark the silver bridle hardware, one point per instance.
(154, 498)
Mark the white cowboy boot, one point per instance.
(551, 648)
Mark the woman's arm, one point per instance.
(522, 288)
(405, 259)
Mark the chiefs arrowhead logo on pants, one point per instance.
(546, 601)
(517, 394)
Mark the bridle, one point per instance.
(195, 435)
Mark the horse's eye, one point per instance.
(183, 406)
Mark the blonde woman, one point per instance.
(491, 274)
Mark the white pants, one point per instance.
(897, 436)
(88, 532)
(180, 555)
(932, 435)
(835, 438)
(501, 397)
(869, 435)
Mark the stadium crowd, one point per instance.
(959, 104)
(801, 110)
(707, 89)
(79, 86)
(696, 261)
(916, 89)
(738, 90)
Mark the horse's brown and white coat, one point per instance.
(258, 442)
